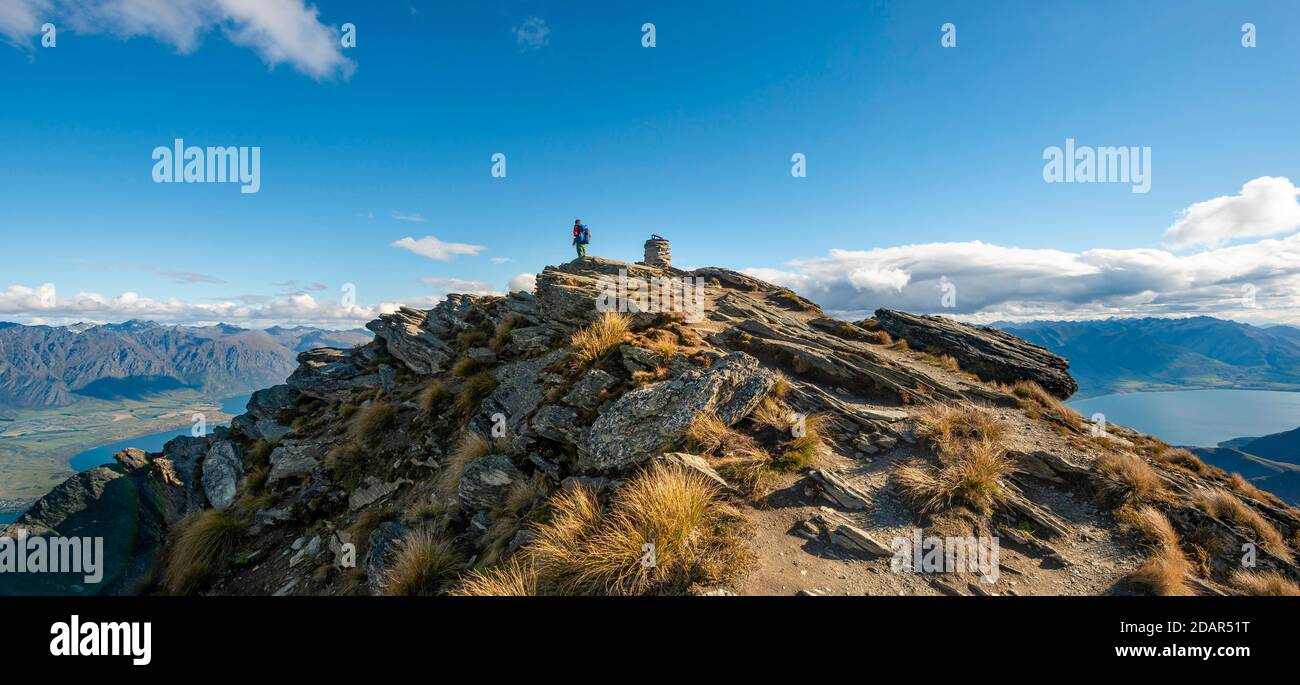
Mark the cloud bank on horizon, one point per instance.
(279, 31)
(1249, 281)
(1252, 281)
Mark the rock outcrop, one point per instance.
(987, 352)
(461, 424)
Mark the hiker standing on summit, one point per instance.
(581, 236)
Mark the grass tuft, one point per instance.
(1130, 478)
(471, 446)
(473, 391)
(1264, 584)
(513, 578)
(422, 566)
(202, 542)
(369, 421)
(1224, 505)
(974, 476)
(696, 537)
(947, 426)
(595, 340)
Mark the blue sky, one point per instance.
(914, 152)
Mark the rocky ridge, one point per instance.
(326, 477)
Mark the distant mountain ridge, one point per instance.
(1125, 355)
(1271, 462)
(50, 366)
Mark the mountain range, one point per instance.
(1129, 355)
(1271, 462)
(51, 366)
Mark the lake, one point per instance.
(1202, 418)
(153, 442)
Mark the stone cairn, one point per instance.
(657, 252)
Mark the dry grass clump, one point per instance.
(430, 395)
(806, 448)
(473, 391)
(501, 334)
(595, 340)
(1180, 458)
(647, 377)
(752, 472)
(663, 344)
(422, 565)
(1224, 505)
(512, 578)
(1034, 401)
(772, 413)
(879, 338)
(346, 463)
(900, 345)
(1264, 584)
(464, 367)
(469, 447)
(370, 421)
(974, 476)
(1166, 569)
(1238, 484)
(707, 432)
(1130, 478)
(781, 387)
(696, 537)
(947, 426)
(201, 543)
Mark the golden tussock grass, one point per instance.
(1165, 570)
(974, 476)
(663, 344)
(696, 537)
(1264, 584)
(751, 472)
(880, 338)
(595, 340)
(947, 426)
(1129, 477)
(900, 345)
(805, 449)
(370, 421)
(1224, 505)
(772, 413)
(647, 377)
(511, 578)
(469, 447)
(781, 388)
(501, 334)
(1035, 400)
(430, 395)
(473, 391)
(464, 367)
(422, 565)
(1180, 458)
(200, 545)
(1238, 484)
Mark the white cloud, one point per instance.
(532, 34)
(43, 304)
(994, 282)
(431, 247)
(1266, 206)
(279, 31)
(457, 285)
(501, 260)
(20, 20)
(525, 281)
(416, 218)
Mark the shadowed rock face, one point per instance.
(986, 352)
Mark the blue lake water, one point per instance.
(1202, 418)
(98, 456)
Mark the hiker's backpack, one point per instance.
(585, 237)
